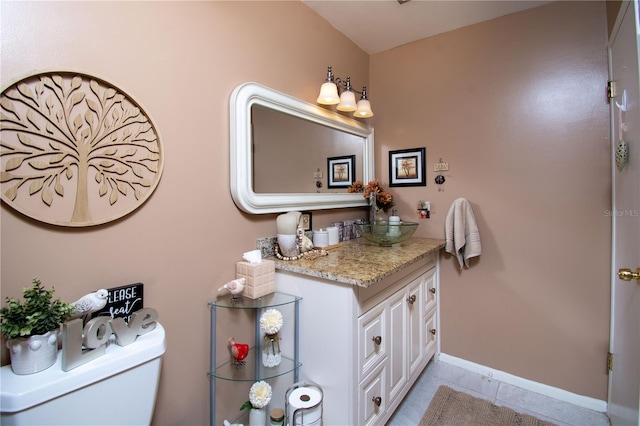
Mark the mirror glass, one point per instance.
(283, 151)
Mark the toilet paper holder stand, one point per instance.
(289, 419)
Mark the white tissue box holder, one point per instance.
(260, 278)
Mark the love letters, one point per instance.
(81, 346)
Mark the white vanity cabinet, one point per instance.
(365, 346)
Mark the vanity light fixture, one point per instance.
(346, 100)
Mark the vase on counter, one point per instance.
(258, 417)
(288, 244)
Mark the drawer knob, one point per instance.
(433, 331)
(377, 400)
(433, 290)
(411, 299)
(377, 340)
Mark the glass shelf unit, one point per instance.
(227, 370)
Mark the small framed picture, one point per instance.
(341, 171)
(407, 167)
(307, 223)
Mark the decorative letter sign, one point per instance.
(97, 333)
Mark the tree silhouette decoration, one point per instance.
(340, 171)
(407, 165)
(76, 138)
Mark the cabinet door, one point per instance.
(431, 334)
(372, 401)
(372, 340)
(398, 341)
(415, 324)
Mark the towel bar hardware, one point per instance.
(627, 274)
(377, 340)
(411, 299)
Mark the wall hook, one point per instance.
(623, 106)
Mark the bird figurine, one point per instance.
(90, 303)
(306, 245)
(239, 352)
(234, 287)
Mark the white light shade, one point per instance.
(347, 101)
(364, 109)
(328, 94)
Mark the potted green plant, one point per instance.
(32, 328)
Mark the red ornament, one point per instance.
(239, 351)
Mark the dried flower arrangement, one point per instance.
(384, 200)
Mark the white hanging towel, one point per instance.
(461, 232)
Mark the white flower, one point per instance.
(271, 321)
(260, 394)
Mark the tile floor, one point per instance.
(417, 400)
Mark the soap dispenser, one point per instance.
(394, 224)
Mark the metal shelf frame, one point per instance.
(221, 371)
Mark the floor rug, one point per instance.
(452, 408)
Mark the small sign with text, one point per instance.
(122, 302)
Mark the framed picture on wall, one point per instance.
(307, 221)
(341, 171)
(407, 167)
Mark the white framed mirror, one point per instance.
(281, 147)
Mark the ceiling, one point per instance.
(378, 25)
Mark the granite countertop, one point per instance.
(359, 262)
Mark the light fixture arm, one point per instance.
(343, 85)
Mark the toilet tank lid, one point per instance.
(19, 392)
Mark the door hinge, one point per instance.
(609, 361)
(611, 89)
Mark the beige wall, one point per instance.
(181, 61)
(613, 6)
(517, 108)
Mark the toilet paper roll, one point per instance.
(308, 402)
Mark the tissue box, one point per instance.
(260, 278)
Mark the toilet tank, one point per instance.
(117, 388)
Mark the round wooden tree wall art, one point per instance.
(75, 150)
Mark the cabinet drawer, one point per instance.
(372, 340)
(431, 334)
(430, 290)
(372, 398)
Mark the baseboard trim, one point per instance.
(553, 392)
